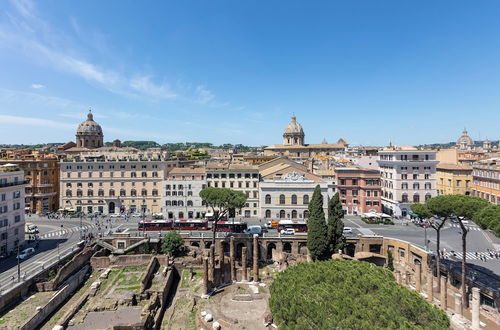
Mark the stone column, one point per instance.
(221, 263)
(430, 284)
(418, 277)
(444, 293)
(255, 258)
(244, 264)
(475, 309)
(231, 259)
(211, 273)
(458, 304)
(205, 276)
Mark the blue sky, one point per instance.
(371, 72)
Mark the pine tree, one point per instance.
(336, 239)
(317, 235)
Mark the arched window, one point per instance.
(180, 203)
(416, 186)
(174, 203)
(144, 174)
(133, 193)
(122, 193)
(404, 198)
(100, 193)
(282, 214)
(111, 192)
(294, 214)
(144, 192)
(268, 214)
(282, 199)
(68, 193)
(268, 199)
(79, 193)
(294, 199)
(168, 203)
(416, 198)
(428, 196)
(181, 215)
(305, 199)
(155, 192)
(90, 193)
(189, 203)
(306, 214)
(190, 215)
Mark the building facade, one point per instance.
(42, 174)
(181, 193)
(111, 186)
(486, 181)
(359, 190)
(408, 176)
(238, 177)
(452, 179)
(12, 222)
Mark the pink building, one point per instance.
(359, 189)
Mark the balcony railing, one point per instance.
(11, 184)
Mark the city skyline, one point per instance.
(233, 73)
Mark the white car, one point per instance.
(287, 231)
(347, 230)
(115, 215)
(136, 215)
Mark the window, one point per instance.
(144, 192)
(122, 192)
(155, 192)
(415, 176)
(79, 193)
(294, 199)
(282, 199)
(416, 198)
(68, 193)
(282, 214)
(90, 193)
(416, 186)
(100, 193)
(404, 198)
(404, 176)
(294, 214)
(305, 199)
(111, 192)
(268, 214)
(268, 199)
(144, 174)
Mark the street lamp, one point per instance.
(18, 264)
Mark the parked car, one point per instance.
(347, 230)
(253, 230)
(116, 215)
(287, 231)
(136, 215)
(26, 253)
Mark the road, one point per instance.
(55, 241)
(478, 240)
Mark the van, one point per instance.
(254, 230)
(32, 229)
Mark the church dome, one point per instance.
(294, 127)
(89, 126)
(465, 140)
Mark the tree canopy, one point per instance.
(172, 243)
(317, 231)
(489, 218)
(342, 294)
(336, 239)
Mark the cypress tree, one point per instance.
(336, 239)
(317, 235)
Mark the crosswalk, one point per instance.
(456, 225)
(63, 232)
(485, 255)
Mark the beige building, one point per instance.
(12, 221)
(109, 186)
(294, 146)
(238, 177)
(452, 179)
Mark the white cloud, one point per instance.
(37, 122)
(203, 95)
(37, 86)
(144, 85)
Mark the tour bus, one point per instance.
(298, 226)
(232, 227)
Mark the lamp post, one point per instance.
(18, 264)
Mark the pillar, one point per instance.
(475, 309)
(221, 262)
(244, 264)
(458, 304)
(430, 284)
(212, 265)
(255, 258)
(205, 275)
(444, 293)
(418, 277)
(232, 255)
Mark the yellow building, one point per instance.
(453, 179)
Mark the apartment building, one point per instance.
(42, 174)
(453, 179)
(112, 186)
(486, 181)
(408, 175)
(181, 193)
(359, 190)
(238, 177)
(12, 222)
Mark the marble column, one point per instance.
(444, 293)
(458, 303)
(430, 284)
(255, 258)
(232, 256)
(475, 309)
(244, 264)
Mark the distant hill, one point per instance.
(453, 144)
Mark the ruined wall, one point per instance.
(126, 260)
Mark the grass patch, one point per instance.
(134, 269)
(186, 275)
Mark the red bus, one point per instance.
(229, 226)
(156, 225)
(298, 226)
(191, 225)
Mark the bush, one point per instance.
(342, 294)
(376, 221)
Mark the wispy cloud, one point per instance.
(145, 85)
(37, 86)
(204, 95)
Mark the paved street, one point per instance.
(54, 241)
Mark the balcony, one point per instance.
(12, 184)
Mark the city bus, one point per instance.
(156, 225)
(191, 225)
(232, 227)
(298, 226)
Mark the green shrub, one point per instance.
(342, 294)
